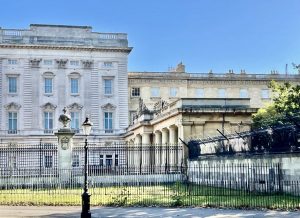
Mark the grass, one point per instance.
(155, 195)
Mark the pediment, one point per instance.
(49, 106)
(108, 106)
(12, 106)
(75, 106)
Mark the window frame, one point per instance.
(109, 128)
(263, 92)
(199, 91)
(244, 95)
(134, 91)
(11, 120)
(47, 124)
(220, 94)
(10, 85)
(74, 119)
(48, 161)
(105, 87)
(157, 92)
(172, 92)
(74, 86)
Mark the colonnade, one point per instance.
(158, 149)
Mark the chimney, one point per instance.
(180, 68)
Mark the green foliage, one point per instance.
(283, 110)
(285, 102)
(120, 199)
(177, 196)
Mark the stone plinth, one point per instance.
(65, 145)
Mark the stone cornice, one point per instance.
(50, 47)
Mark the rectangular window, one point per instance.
(13, 162)
(155, 92)
(48, 161)
(108, 160)
(107, 86)
(48, 85)
(48, 122)
(132, 116)
(74, 86)
(12, 84)
(101, 160)
(200, 93)
(173, 92)
(12, 122)
(74, 63)
(107, 64)
(135, 92)
(75, 121)
(265, 93)
(48, 62)
(75, 160)
(12, 61)
(116, 160)
(243, 93)
(108, 122)
(222, 93)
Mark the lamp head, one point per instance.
(87, 126)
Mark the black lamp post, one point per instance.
(86, 213)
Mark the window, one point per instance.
(108, 160)
(48, 85)
(173, 92)
(75, 160)
(116, 160)
(135, 92)
(75, 121)
(243, 93)
(12, 84)
(12, 122)
(107, 86)
(107, 64)
(48, 122)
(154, 92)
(265, 93)
(108, 121)
(132, 116)
(48, 161)
(13, 162)
(74, 86)
(48, 62)
(101, 160)
(12, 61)
(200, 93)
(74, 63)
(221, 93)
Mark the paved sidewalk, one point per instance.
(59, 212)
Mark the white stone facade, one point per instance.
(49, 67)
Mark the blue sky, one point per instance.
(218, 35)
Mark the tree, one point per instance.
(277, 117)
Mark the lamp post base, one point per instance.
(85, 213)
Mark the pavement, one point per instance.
(60, 212)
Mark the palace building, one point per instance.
(48, 67)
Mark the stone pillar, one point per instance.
(65, 145)
(165, 136)
(137, 151)
(146, 155)
(158, 138)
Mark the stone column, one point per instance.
(65, 145)
(146, 151)
(171, 147)
(137, 151)
(158, 138)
